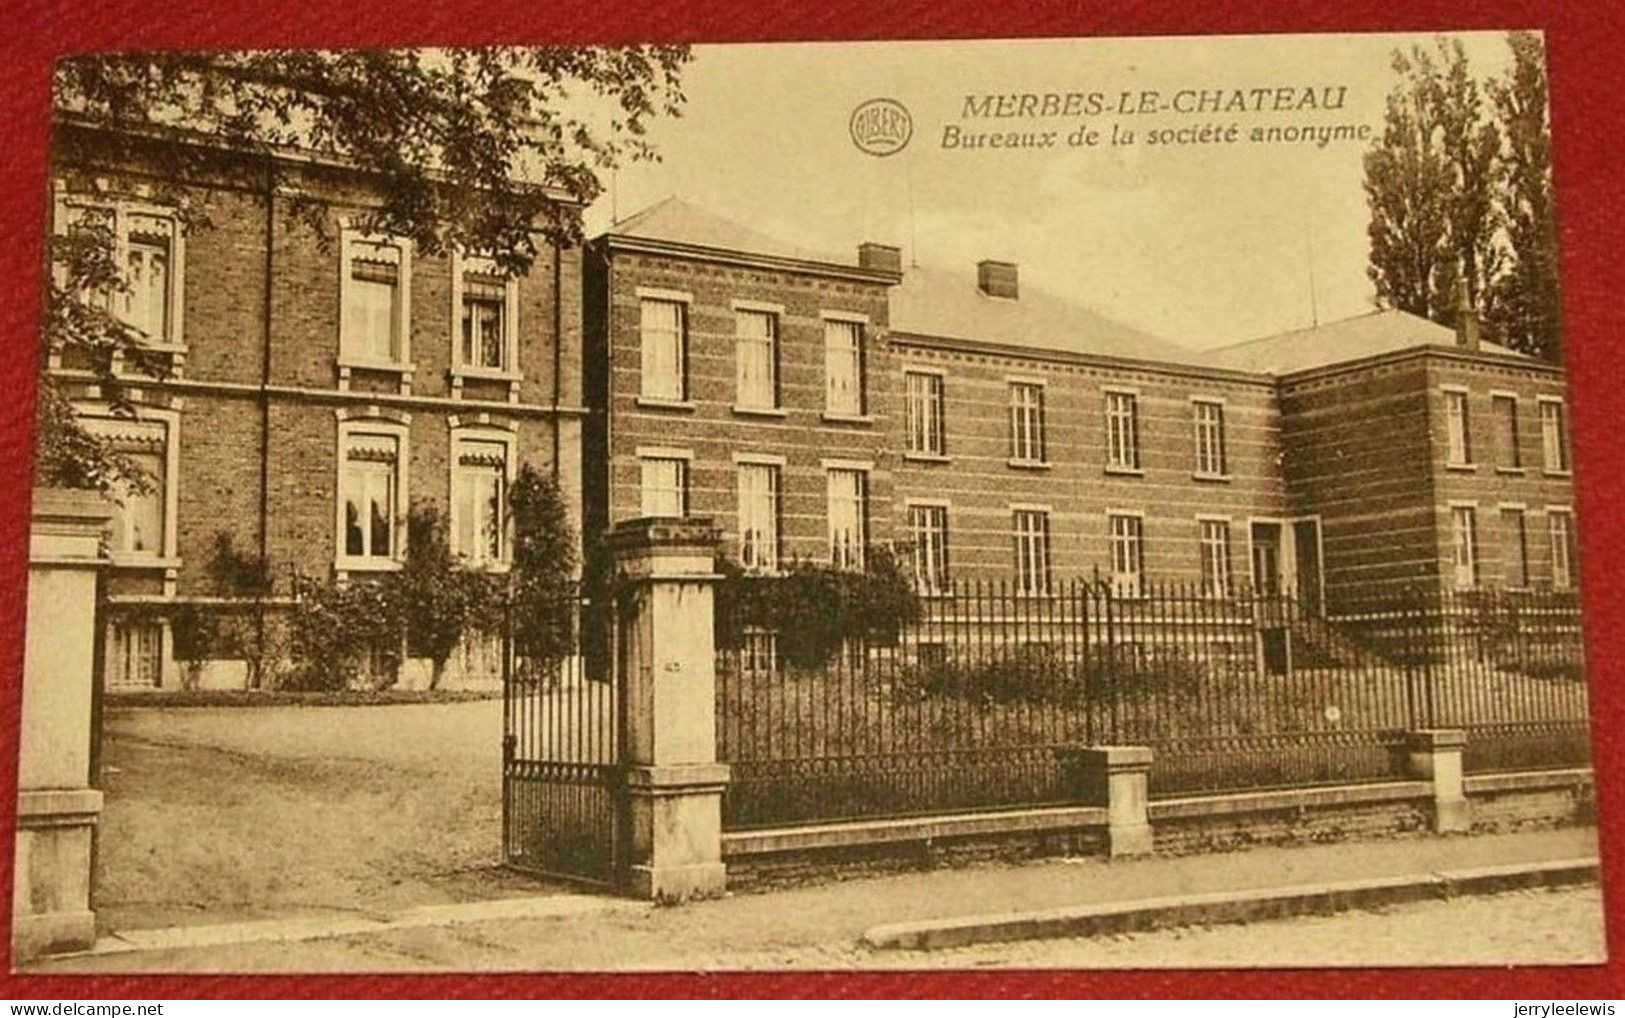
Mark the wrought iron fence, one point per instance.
(983, 701)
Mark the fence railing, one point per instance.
(984, 700)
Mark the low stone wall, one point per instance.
(1215, 823)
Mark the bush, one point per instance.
(815, 609)
(341, 634)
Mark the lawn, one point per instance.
(220, 814)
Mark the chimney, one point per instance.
(1466, 319)
(880, 257)
(996, 279)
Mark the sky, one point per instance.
(1200, 244)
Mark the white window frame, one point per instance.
(1027, 441)
(98, 419)
(116, 652)
(932, 553)
(461, 433)
(462, 264)
(1562, 551)
(926, 428)
(1458, 428)
(774, 315)
(684, 301)
(1212, 455)
(122, 209)
(775, 465)
(860, 469)
(1122, 430)
(1554, 444)
(1033, 548)
(664, 454)
(349, 428)
(1127, 577)
(1459, 564)
(349, 237)
(860, 366)
(1215, 555)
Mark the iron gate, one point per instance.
(561, 773)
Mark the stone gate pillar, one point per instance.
(673, 801)
(57, 809)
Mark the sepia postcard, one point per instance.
(1049, 503)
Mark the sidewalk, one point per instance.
(819, 926)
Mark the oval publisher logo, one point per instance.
(881, 127)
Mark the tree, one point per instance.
(542, 595)
(467, 148)
(1526, 301)
(436, 598)
(1428, 185)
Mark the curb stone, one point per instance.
(1225, 906)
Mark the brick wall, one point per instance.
(224, 307)
(711, 429)
(1366, 450)
(981, 483)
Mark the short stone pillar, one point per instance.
(57, 809)
(1116, 777)
(1434, 754)
(673, 801)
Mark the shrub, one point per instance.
(341, 633)
(816, 608)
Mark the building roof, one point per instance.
(935, 302)
(675, 221)
(1351, 339)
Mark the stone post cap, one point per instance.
(1119, 757)
(68, 506)
(665, 533)
(1436, 738)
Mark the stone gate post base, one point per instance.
(1434, 754)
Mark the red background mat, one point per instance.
(1584, 42)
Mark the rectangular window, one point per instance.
(1215, 558)
(484, 316)
(1122, 431)
(146, 248)
(843, 367)
(134, 655)
(1507, 453)
(1517, 548)
(1127, 554)
(1553, 442)
(664, 485)
(1027, 422)
(1031, 529)
(370, 496)
(759, 653)
(479, 489)
(147, 272)
(1460, 451)
(928, 532)
(923, 407)
(1464, 546)
(1560, 525)
(848, 517)
(756, 359)
(373, 318)
(664, 339)
(1210, 457)
(758, 516)
(140, 514)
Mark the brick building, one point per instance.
(1005, 433)
(320, 383)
